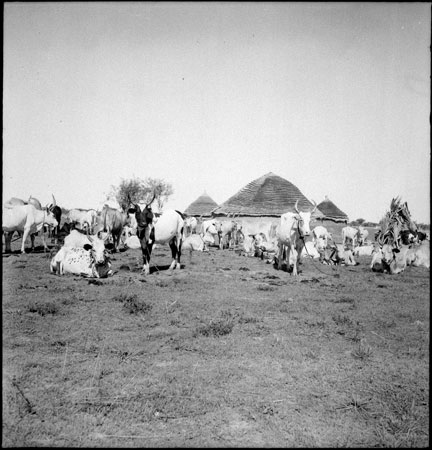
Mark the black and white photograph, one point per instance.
(216, 224)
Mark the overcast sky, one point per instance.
(333, 97)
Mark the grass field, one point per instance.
(226, 352)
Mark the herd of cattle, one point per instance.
(86, 237)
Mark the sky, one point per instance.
(333, 97)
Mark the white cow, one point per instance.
(362, 235)
(394, 259)
(208, 239)
(320, 237)
(192, 243)
(209, 226)
(363, 250)
(248, 245)
(77, 239)
(268, 228)
(27, 220)
(339, 255)
(349, 233)
(310, 250)
(132, 242)
(89, 261)
(83, 219)
(190, 225)
(422, 255)
(294, 227)
(227, 230)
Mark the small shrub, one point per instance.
(43, 308)
(265, 287)
(342, 320)
(133, 304)
(247, 319)
(362, 351)
(219, 327)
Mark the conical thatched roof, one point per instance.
(269, 195)
(202, 206)
(331, 211)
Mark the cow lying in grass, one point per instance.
(336, 254)
(394, 260)
(90, 260)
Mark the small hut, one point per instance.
(332, 212)
(201, 207)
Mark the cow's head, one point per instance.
(388, 256)
(320, 244)
(50, 219)
(303, 220)
(212, 228)
(143, 215)
(97, 249)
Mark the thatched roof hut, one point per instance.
(202, 206)
(267, 196)
(332, 212)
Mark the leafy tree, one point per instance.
(161, 188)
(360, 221)
(141, 190)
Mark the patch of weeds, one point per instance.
(311, 355)
(362, 351)
(342, 320)
(177, 281)
(401, 418)
(318, 324)
(248, 319)
(43, 308)
(386, 323)
(161, 283)
(265, 287)
(68, 301)
(219, 327)
(344, 300)
(133, 304)
(356, 404)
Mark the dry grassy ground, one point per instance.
(227, 351)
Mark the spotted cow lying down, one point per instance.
(81, 261)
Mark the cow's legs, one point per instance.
(280, 256)
(8, 240)
(146, 252)
(175, 245)
(290, 249)
(24, 238)
(43, 241)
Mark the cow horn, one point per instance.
(296, 207)
(154, 196)
(315, 206)
(130, 200)
(54, 201)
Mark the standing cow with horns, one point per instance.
(167, 229)
(294, 227)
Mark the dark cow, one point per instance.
(57, 212)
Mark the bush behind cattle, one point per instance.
(227, 351)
